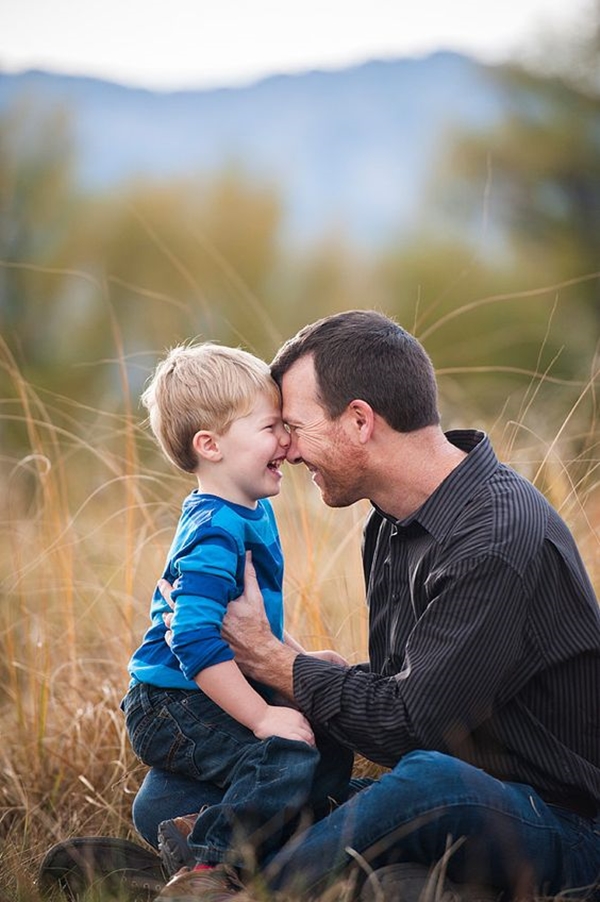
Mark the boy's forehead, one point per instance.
(267, 401)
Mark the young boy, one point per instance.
(215, 412)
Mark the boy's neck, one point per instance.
(208, 486)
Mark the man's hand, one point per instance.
(258, 653)
(165, 588)
(245, 626)
(328, 654)
(246, 630)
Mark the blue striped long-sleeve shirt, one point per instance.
(207, 558)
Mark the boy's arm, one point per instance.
(225, 684)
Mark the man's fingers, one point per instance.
(250, 578)
(165, 588)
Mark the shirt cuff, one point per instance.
(318, 687)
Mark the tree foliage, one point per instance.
(93, 288)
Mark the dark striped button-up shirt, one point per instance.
(484, 637)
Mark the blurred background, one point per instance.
(233, 171)
(454, 183)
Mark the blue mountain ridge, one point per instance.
(352, 148)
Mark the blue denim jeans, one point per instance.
(255, 789)
(503, 834)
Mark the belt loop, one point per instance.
(145, 698)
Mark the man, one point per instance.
(481, 693)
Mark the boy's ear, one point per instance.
(206, 445)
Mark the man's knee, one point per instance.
(437, 773)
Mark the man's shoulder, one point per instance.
(516, 498)
(507, 517)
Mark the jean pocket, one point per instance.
(155, 737)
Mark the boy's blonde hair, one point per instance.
(202, 386)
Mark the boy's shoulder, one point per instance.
(212, 510)
(216, 521)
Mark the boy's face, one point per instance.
(252, 449)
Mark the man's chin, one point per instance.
(333, 500)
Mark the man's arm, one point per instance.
(447, 688)
(460, 659)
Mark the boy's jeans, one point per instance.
(503, 834)
(257, 787)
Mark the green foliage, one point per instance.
(505, 297)
(37, 200)
(532, 184)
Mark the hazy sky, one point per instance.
(197, 43)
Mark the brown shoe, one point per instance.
(173, 845)
(218, 884)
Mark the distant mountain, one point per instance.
(353, 147)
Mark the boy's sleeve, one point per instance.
(207, 581)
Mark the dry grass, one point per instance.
(86, 514)
(85, 528)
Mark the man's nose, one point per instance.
(283, 437)
(292, 454)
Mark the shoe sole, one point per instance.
(117, 865)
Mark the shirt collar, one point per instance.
(442, 507)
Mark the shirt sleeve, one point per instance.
(455, 660)
(206, 584)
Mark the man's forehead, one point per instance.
(298, 388)
(290, 403)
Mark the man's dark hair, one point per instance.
(362, 354)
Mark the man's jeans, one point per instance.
(256, 789)
(500, 834)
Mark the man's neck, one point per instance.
(415, 465)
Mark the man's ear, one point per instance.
(206, 445)
(362, 419)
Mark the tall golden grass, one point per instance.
(87, 512)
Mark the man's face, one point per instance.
(326, 447)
